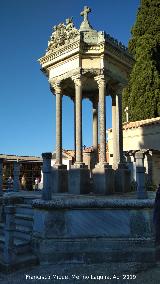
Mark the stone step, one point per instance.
(22, 235)
(1, 229)
(1, 243)
(25, 209)
(24, 217)
(23, 220)
(20, 246)
(23, 228)
(21, 261)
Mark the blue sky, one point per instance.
(27, 114)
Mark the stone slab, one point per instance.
(88, 229)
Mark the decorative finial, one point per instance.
(85, 26)
(85, 13)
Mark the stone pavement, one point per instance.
(90, 275)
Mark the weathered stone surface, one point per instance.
(91, 201)
(59, 179)
(103, 179)
(79, 181)
(102, 117)
(122, 179)
(46, 193)
(94, 230)
(140, 175)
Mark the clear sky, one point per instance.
(27, 112)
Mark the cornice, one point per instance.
(63, 50)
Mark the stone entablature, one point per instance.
(70, 49)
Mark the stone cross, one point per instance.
(126, 111)
(85, 13)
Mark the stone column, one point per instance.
(16, 173)
(1, 176)
(95, 129)
(122, 173)
(78, 176)
(46, 168)
(73, 99)
(58, 171)
(140, 175)
(114, 134)
(78, 106)
(102, 118)
(119, 127)
(103, 175)
(58, 93)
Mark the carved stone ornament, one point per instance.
(62, 34)
(100, 80)
(57, 88)
(77, 80)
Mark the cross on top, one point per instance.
(85, 13)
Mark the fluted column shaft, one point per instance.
(58, 126)
(102, 119)
(95, 128)
(78, 106)
(114, 135)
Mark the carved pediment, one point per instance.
(62, 34)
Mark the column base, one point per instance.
(79, 180)
(103, 179)
(79, 165)
(59, 179)
(122, 179)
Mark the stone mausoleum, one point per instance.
(86, 64)
(78, 220)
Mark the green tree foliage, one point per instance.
(142, 96)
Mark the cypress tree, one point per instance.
(142, 96)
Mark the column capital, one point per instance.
(77, 79)
(101, 80)
(139, 155)
(56, 87)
